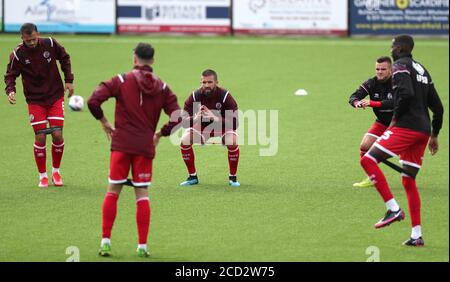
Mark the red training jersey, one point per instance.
(140, 97)
(219, 101)
(42, 84)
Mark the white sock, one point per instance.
(416, 232)
(142, 246)
(55, 170)
(392, 205)
(193, 174)
(42, 175)
(105, 241)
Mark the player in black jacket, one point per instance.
(408, 135)
(379, 90)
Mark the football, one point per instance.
(76, 103)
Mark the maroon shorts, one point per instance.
(377, 129)
(119, 168)
(53, 114)
(407, 143)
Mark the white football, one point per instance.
(76, 103)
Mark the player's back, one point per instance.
(414, 113)
(140, 100)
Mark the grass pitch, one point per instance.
(298, 205)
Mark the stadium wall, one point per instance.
(228, 17)
(415, 17)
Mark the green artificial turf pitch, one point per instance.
(298, 205)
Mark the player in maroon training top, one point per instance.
(211, 112)
(407, 136)
(379, 90)
(35, 59)
(140, 97)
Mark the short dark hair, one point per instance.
(144, 51)
(384, 59)
(406, 42)
(28, 28)
(209, 72)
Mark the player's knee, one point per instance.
(230, 139)
(114, 188)
(367, 158)
(141, 193)
(364, 147)
(57, 136)
(187, 139)
(39, 138)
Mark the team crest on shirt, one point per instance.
(218, 106)
(389, 96)
(31, 117)
(46, 54)
(27, 61)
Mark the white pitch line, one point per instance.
(236, 41)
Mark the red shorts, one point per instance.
(377, 129)
(53, 114)
(407, 143)
(204, 135)
(141, 169)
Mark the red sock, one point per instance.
(412, 194)
(143, 219)
(40, 156)
(188, 156)
(233, 158)
(109, 211)
(375, 174)
(57, 153)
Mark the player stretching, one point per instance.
(379, 89)
(140, 97)
(35, 59)
(407, 136)
(212, 112)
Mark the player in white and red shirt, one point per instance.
(35, 60)
(210, 111)
(140, 97)
(407, 136)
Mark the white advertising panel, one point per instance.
(96, 16)
(174, 16)
(291, 17)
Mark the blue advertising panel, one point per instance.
(391, 17)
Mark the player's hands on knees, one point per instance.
(12, 98)
(107, 127)
(68, 87)
(433, 145)
(208, 114)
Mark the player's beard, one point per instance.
(207, 91)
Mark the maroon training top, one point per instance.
(42, 84)
(219, 102)
(140, 98)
